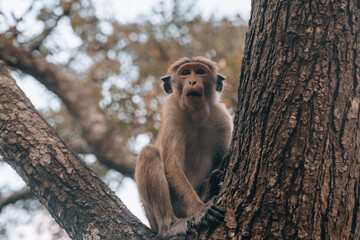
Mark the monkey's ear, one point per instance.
(219, 83)
(167, 84)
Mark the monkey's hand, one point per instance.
(214, 181)
(210, 215)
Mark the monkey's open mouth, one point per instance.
(193, 94)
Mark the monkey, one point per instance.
(194, 135)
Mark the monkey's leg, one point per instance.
(154, 190)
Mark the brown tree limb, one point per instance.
(78, 145)
(24, 193)
(75, 197)
(109, 149)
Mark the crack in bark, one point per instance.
(355, 210)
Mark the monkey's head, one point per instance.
(194, 81)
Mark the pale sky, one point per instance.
(219, 8)
(124, 11)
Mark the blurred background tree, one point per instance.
(121, 63)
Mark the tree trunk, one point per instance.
(76, 198)
(293, 167)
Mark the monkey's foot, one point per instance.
(185, 228)
(210, 215)
(177, 230)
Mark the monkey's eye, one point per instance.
(200, 71)
(185, 72)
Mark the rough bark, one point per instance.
(293, 169)
(76, 198)
(109, 149)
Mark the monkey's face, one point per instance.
(195, 83)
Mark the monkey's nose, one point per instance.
(192, 83)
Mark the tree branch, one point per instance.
(24, 193)
(78, 200)
(79, 145)
(108, 149)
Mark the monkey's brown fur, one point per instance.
(194, 135)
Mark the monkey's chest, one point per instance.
(200, 151)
